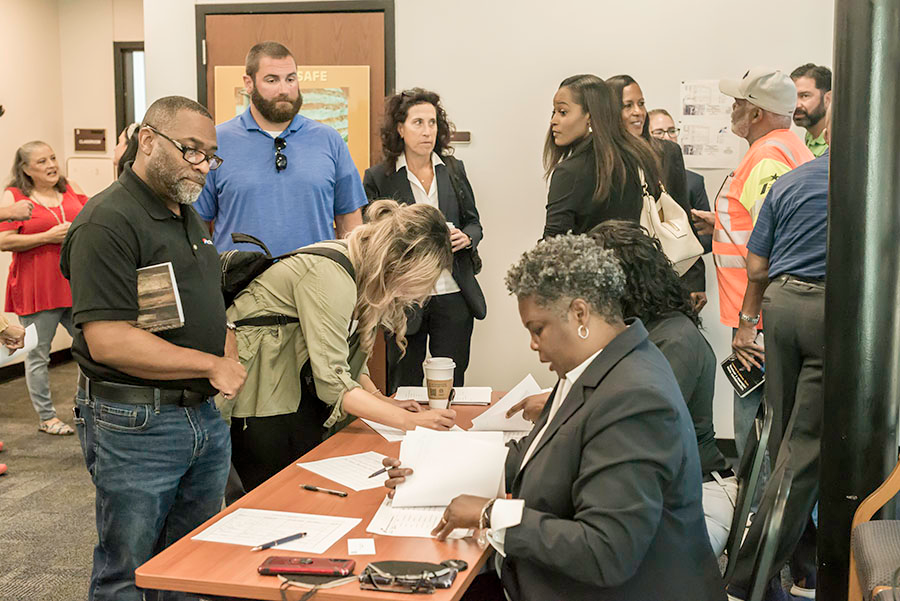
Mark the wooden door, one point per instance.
(360, 34)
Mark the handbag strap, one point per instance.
(646, 189)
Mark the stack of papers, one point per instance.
(352, 471)
(252, 527)
(448, 464)
(409, 521)
(393, 434)
(463, 395)
(494, 418)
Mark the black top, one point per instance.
(700, 201)
(570, 201)
(694, 365)
(126, 227)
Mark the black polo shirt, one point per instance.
(126, 227)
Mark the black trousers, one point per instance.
(794, 314)
(263, 446)
(446, 331)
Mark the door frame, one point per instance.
(121, 86)
(342, 6)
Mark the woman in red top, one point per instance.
(36, 290)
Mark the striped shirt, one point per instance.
(793, 224)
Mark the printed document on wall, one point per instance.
(706, 137)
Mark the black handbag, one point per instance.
(450, 162)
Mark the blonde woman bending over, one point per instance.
(308, 374)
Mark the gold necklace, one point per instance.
(59, 200)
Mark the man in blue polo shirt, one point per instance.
(286, 179)
(786, 266)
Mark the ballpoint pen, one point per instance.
(338, 493)
(280, 541)
(379, 472)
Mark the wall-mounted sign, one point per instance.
(461, 137)
(90, 139)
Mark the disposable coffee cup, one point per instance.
(439, 381)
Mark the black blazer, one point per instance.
(570, 201)
(700, 201)
(378, 183)
(613, 490)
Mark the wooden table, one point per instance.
(230, 570)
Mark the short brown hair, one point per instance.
(270, 49)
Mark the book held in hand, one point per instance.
(744, 381)
(159, 304)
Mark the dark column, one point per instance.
(862, 307)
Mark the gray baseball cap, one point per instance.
(769, 89)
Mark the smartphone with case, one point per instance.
(321, 566)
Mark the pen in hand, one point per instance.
(310, 487)
(280, 541)
(379, 472)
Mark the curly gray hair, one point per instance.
(568, 267)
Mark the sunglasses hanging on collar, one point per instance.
(281, 161)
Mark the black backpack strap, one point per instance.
(321, 251)
(239, 238)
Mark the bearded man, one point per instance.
(813, 98)
(288, 180)
(153, 441)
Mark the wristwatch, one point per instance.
(230, 326)
(484, 521)
(747, 319)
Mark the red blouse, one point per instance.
(35, 282)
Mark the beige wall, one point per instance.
(497, 65)
(60, 76)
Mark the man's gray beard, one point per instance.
(186, 192)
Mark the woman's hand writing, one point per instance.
(435, 419)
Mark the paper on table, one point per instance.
(7, 355)
(360, 546)
(393, 434)
(494, 418)
(409, 521)
(448, 464)
(463, 395)
(352, 471)
(390, 434)
(252, 527)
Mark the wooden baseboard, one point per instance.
(11, 372)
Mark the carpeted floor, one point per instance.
(47, 528)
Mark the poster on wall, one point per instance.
(337, 96)
(706, 137)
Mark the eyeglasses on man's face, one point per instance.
(280, 158)
(671, 132)
(193, 156)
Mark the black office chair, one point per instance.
(768, 544)
(748, 474)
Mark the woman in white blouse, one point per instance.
(418, 167)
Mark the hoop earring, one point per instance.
(586, 333)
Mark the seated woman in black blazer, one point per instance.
(418, 168)
(674, 175)
(592, 161)
(606, 488)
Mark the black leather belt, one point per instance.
(139, 395)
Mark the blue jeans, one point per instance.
(159, 472)
(37, 374)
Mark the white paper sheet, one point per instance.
(448, 464)
(252, 527)
(31, 340)
(463, 395)
(507, 436)
(352, 471)
(360, 546)
(416, 522)
(494, 418)
(390, 434)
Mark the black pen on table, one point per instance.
(338, 493)
(280, 541)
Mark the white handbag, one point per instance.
(665, 220)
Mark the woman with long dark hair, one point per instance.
(418, 168)
(655, 294)
(673, 174)
(591, 160)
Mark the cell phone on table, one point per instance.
(322, 566)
